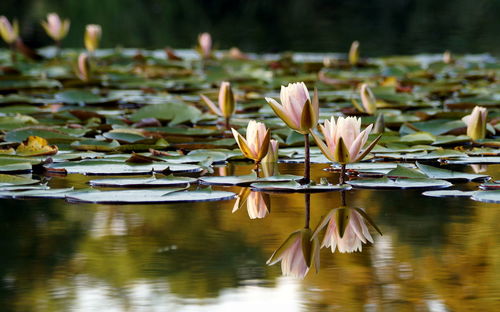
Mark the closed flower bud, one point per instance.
(8, 31)
(354, 53)
(92, 37)
(368, 99)
(476, 123)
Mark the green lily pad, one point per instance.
(145, 182)
(8, 180)
(487, 196)
(48, 193)
(82, 97)
(386, 183)
(448, 193)
(475, 160)
(492, 185)
(404, 172)
(105, 167)
(445, 174)
(295, 187)
(175, 112)
(149, 196)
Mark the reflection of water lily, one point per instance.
(346, 229)
(344, 139)
(55, 28)
(92, 37)
(296, 108)
(205, 45)
(476, 123)
(258, 204)
(297, 254)
(256, 144)
(8, 31)
(226, 102)
(269, 163)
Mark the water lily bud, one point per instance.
(256, 144)
(379, 126)
(226, 104)
(226, 99)
(368, 99)
(236, 54)
(476, 123)
(55, 28)
(92, 37)
(83, 67)
(8, 31)
(205, 45)
(296, 108)
(354, 53)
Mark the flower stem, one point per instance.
(13, 55)
(227, 124)
(256, 168)
(307, 160)
(307, 200)
(342, 174)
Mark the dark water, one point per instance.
(434, 255)
(382, 26)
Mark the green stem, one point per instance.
(342, 174)
(307, 160)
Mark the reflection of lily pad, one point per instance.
(386, 183)
(149, 196)
(487, 196)
(295, 187)
(144, 182)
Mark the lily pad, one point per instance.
(448, 193)
(104, 167)
(295, 187)
(8, 180)
(150, 196)
(145, 182)
(487, 196)
(386, 183)
(445, 174)
(48, 193)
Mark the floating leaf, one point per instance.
(36, 146)
(295, 187)
(47, 193)
(8, 180)
(445, 174)
(386, 183)
(149, 196)
(448, 193)
(487, 196)
(145, 182)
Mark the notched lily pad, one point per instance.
(445, 174)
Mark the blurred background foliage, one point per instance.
(382, 26)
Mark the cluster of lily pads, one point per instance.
(154, 114)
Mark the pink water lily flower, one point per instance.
(476, 123)
(55, 28)
(256, 144)
(296, 108)
(297, 254)
(9, 32)
(83, 67)
(344, 139)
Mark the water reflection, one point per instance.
(258, 204)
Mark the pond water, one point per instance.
(436, 254)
